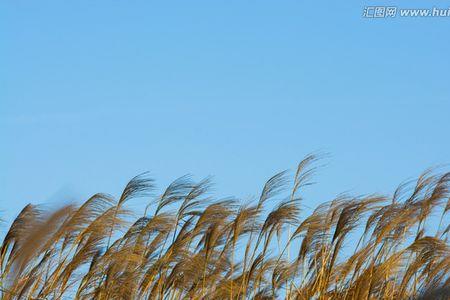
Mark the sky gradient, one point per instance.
(95, 92)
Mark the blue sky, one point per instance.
(95, 92)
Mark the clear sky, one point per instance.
(95, 92)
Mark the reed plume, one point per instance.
(187, 244)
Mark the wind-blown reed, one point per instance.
(189, 245)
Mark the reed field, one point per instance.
(187, 244)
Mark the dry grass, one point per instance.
(188, 245)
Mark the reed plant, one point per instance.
(187, 244)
